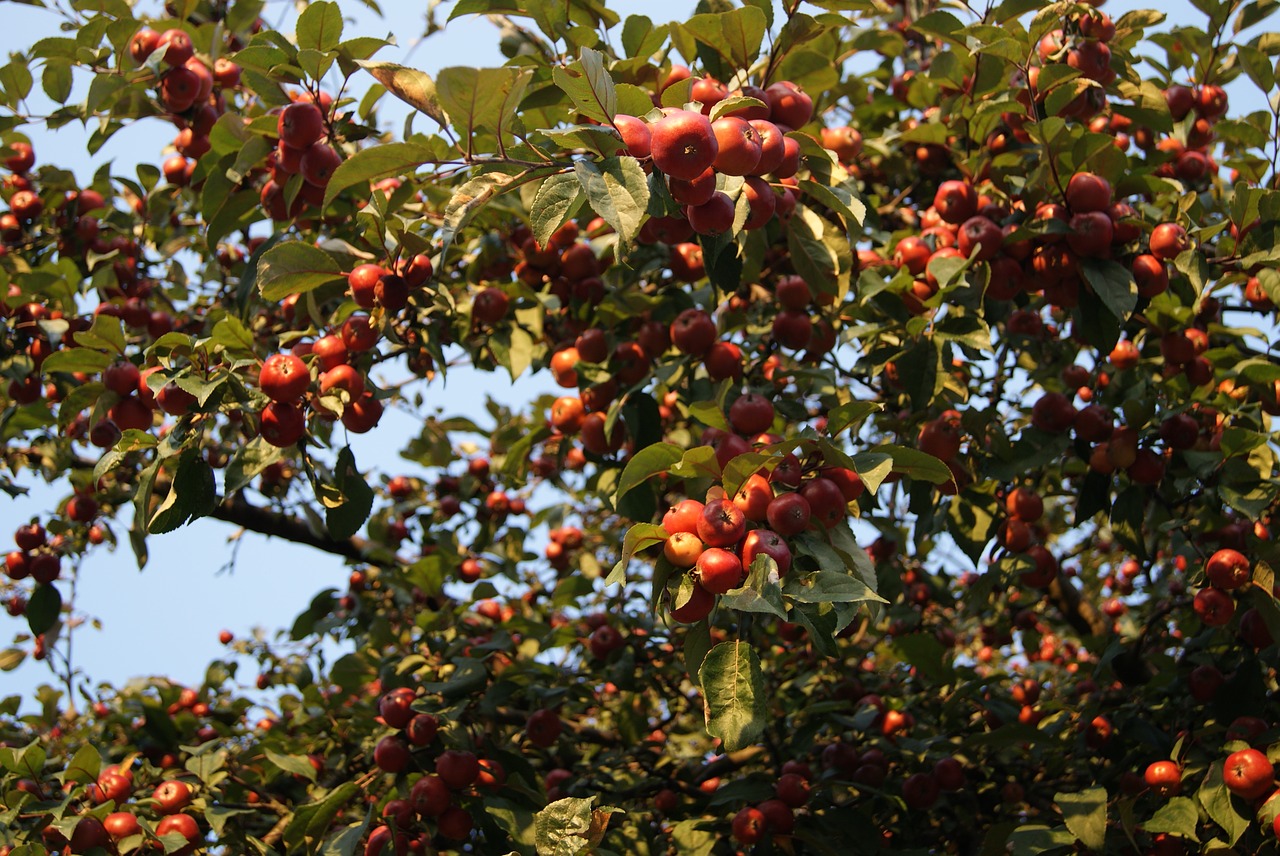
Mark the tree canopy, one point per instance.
(909, 487)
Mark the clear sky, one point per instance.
(166, 619)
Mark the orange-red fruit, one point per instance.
(683, 144)
(1228, 569)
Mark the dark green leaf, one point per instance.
(192, 494)
(346, 512)
(1113, 283)
(43, 608)
(76, 360)
(646, 464)
(1178, 816)
(295, 764)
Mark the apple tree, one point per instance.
(905, 481)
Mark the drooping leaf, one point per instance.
(1114, 285)
(733, 694)
(347, 507)
(618, 190)
(638, 537)
(43, 608)
(413, 87)
(588, 83)
(558, 199)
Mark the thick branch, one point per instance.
(1081, 615)
(267, 522)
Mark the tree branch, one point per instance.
(1081, 615)
(238, 511)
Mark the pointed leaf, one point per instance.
(295, 267)
(1085, 815)
(374, 163)
(588, 83)
(1114, 285)
(558, 199)
(638, 537)
(618, 190)
(413, 87)
(733, 694)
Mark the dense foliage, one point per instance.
(910, 487)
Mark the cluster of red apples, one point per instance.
(747, 141)
(716, 543)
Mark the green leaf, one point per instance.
(11, 658)
(312, 821)
(84, 767)
(346, 512)
(709, 413)
(192, 495)
(296, 764)
(43, 608)
(571, 826)
(842, 198)
(374, 163)
(1178, 816)
(618, 190)
(813, 259)
(697, 642)
(76, 360)
(638, 537)
(1037, 839)
(916, 464)
(734, 102)
(926, 654)
(346, 841)
(320, 27)
(1114, 285)
(105, 334)
(467, 200)
(1085, 815)
(733, 694)
(230, 334)
(413, 87)
(852, 413)
(295, 267)
(1217, 801)
(481, 98)
(248, 461)
(735, 35)
(558, 199)
(206, 765)
(588, 83)
(829, 586)
(698, 462)
(645, 464)
(760, 593)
